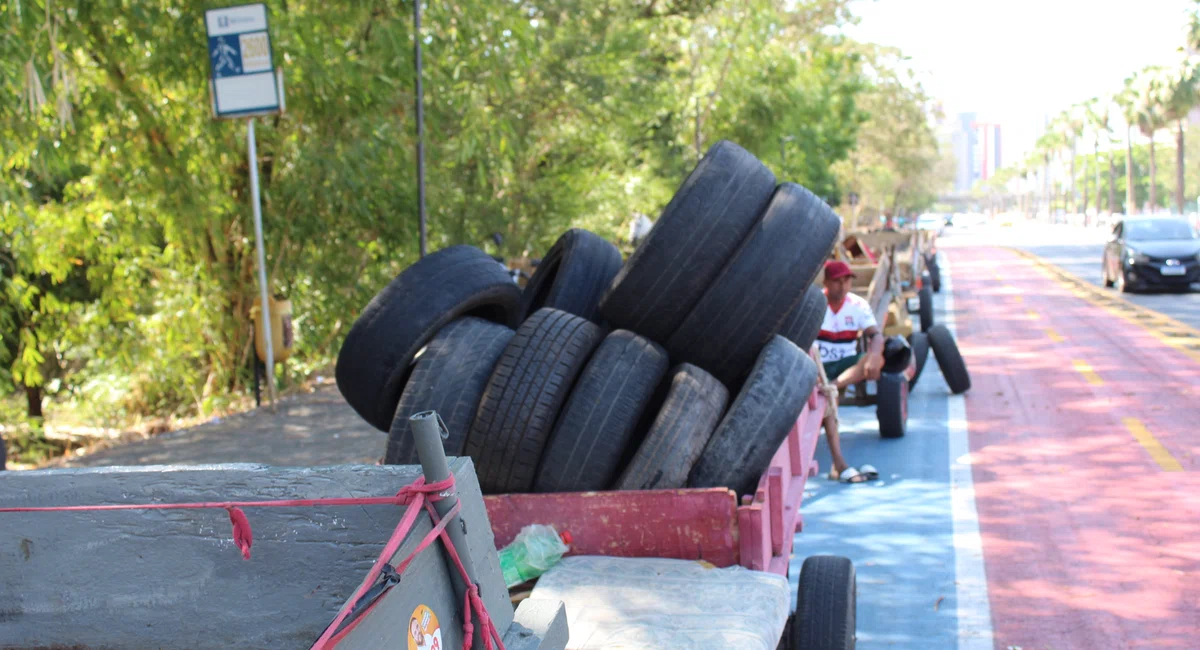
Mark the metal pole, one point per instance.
(428, 431)
(420, 100)
(265, 315)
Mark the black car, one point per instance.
(1152, 252)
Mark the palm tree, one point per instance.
(1099, 114)
(1152, 118)
(1046, 147)
(1127, 101)
(1180, 97)
(1072, 122)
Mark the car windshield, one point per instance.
(1158, 230)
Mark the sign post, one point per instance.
(245, 83)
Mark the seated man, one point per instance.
(846, 317)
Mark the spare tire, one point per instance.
(804, 323)
(945, 350)
(759, 287)
(597, 423)
(449, 377)
(573, 275)
(919, 341)
(758, 421)
(693, 404)
(523, 397)
(378, 352)
(696, 234)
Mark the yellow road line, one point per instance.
(1018, 298)
(1054, 336)
(1169, 331)
(1153, 447)
(1087, 372)
(1033, 314)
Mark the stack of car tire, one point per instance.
(686, 365)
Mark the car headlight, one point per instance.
(1135, 256)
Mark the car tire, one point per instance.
(919, 341)
(597, 422)
(759, 420)
(804, 323)
(698, 231)
(925, 297)
(891, 405)
(949, 359)
(376, 357)
(826, 604)
(1122, 285)
(760, 286)
(449, 377)
(691, 409)
(573, 275)
(523, 396)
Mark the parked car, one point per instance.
(1149, 252)
(930, 221)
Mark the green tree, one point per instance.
(1180, 95)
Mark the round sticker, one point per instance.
(424, 633)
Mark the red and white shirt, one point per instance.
(840, 331)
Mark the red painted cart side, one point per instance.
(692, 524)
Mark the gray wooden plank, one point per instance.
(174, 579)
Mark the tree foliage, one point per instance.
(127, 251)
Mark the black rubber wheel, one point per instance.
(949, 359)
(925, 296)
(696, 234)
(598, 421)
(919, 341)
(826, 604)
(758, 421)
(804, 323)
(760, 286)
(935, 274)
(573, 275)
(524, 395)
(891, 405)
(449, 377)
(378, 352)
(693, 405)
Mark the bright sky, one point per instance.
(1014, 61)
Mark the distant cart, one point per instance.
(896, 273)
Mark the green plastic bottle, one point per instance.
(535, 549)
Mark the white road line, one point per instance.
(974, 608)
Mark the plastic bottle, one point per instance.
(535, 549)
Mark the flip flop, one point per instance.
(851, 475)
(870, 472)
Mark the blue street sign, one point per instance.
(244, 80)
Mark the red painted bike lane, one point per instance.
(1085, 440)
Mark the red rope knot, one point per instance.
(242, 535)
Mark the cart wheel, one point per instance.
(935, 274)
(926, 299)
(891, 405)
(825, 605)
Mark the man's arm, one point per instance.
(874, 352)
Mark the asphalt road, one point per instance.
(1077, 251)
